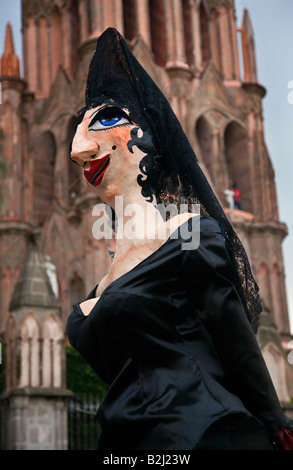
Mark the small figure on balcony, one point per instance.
(229, 193)
(237, 197)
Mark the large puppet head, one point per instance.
(116, 79)
(169, 168)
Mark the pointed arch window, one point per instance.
(52, 353)
(44, 155)
(188, 36)
(89, 14)
(204, 34)
(75, 35)
(130, 19)
(215, 39)
(43, 56)
(30, 353)
(158, 31)
(56, 42)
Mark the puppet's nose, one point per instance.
(83, 149)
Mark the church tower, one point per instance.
(14, 225)
(191, 49)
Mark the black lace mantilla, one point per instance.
(170, 171)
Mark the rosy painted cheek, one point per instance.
(115, 140)
(119, 134)
(121, 142)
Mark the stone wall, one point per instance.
(34, 419)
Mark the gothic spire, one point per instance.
(33, 287)
(248, 49)
(9, 61)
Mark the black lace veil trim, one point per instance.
(172, 171)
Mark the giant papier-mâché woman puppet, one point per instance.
(171, 327)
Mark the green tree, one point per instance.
(81, 378)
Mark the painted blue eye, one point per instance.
(110, 121)
(104, 122)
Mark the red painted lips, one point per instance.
(97, 170)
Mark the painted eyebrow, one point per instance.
(103, 111)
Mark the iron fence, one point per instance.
(83, 429)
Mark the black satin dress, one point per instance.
(172, 341)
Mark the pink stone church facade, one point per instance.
(190, 49)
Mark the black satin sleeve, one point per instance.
(208, 277)
(81, 333)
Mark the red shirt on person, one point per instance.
(237, 195)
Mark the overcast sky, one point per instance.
(272, 22)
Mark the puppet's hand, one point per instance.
(88, 305)
(283, 439)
